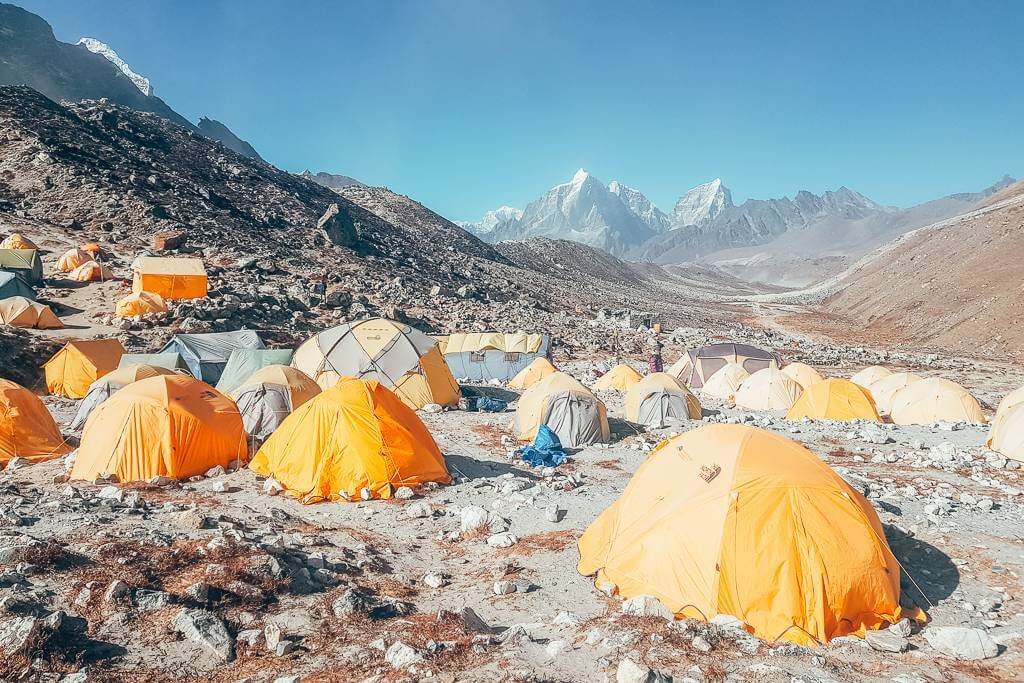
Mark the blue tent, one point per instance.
(483, 356)
(13, 285)
(207, 354)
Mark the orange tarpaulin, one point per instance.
(355, 435)
(27, 429)
(171, 278)
(170, 425)
(729, 519)
(80, 363)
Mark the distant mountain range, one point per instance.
(31, 55)
(789, 242)
(330, 180)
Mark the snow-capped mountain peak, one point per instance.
(502, 218)
(700, 205)
(640, 205)
(104, 50)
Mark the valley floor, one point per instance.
(333, 587)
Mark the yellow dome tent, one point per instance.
(834, 399)
(17, 241)
(1014, 398)
(725, 382)
(71, 259)
(885, 389)
(659, 398)
(355, 435)
(105, 387)
(935, 400)
(91, 271)
(402, 358)
(567, 407)
(870, 375)
(269, 395)
(1006, 435)
(27, 430)
(534, 372)
(18, 311)
(619, 378)
(140, 303)
(690, 530)
(768, 389)
(802, 374)
(73, 369)
(170, 426)
(171, 278)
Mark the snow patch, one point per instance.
(101, 48)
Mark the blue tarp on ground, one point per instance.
(545, 451)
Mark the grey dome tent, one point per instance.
(206, 355)
(243, 362)
(12, 284)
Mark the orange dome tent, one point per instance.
(72, 370)
(532, 373)
(1007, 433)
(170, 425)
(619, 378)
(935, 400)
(140, 303)
(27, 429)
(870, 375)
(17, 241)
(356, 439)
(91, 271)
(834, 399)
(18, 311)
(802, 374)
(71, 259)
(109, 384)
(885, 389)
(94, 250)
(729, 519)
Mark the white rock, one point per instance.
(111, 493)
(961, 642)
(886, 641)
(404, 493)
(206, 630)
(400, 655)
(472, 517)
(419, 509)
(631, 672)
(502, 540)
(434, 580)
(646, 606)
(504, 587)
(272, 486)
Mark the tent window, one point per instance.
(512, 357)
(476, 357)
(752, 365)
(711, 365)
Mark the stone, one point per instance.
(629, 671)
(419, 509)
(504, 587)
(903, 627)
(272, 486)
(472, 621)
(206, 630)
(553, 513)
(273, 635)
(404, 493)
(18, 635)
(886, 641)
(434, 580)
(473, 517)
(961, 642)
(117, 590)
(502, 540)
(215, 471)
(111, 493)
(338, 226)
(146, 600)
(402, 656)
(647, 606)
(700, 644)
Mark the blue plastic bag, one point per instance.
(489, 404)
(545, 451)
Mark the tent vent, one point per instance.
(709, 472)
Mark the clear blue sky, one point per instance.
(467, 105)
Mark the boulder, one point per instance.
(206, 630)
(338, 226)
(961, 642)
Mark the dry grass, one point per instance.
(489, 436)
(609, 465)
(548, 541)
